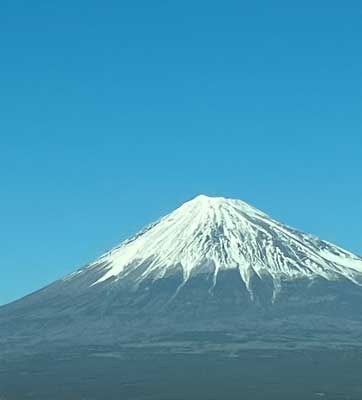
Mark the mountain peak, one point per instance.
(217, 204)
(209, 234)
(203, 200)
(204, 197)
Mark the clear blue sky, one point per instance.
(112, 113)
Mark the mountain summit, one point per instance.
(213, 263)
(210, 234)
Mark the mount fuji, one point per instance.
(212, 265)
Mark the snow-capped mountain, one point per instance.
(213, 262)
(210, 234)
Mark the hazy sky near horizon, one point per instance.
(113, 113)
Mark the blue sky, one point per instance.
(115, 112)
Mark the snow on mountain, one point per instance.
(211, 234)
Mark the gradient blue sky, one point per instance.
(115, 112)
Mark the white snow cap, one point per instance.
(209, 234)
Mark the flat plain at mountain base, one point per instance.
(116, 373)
